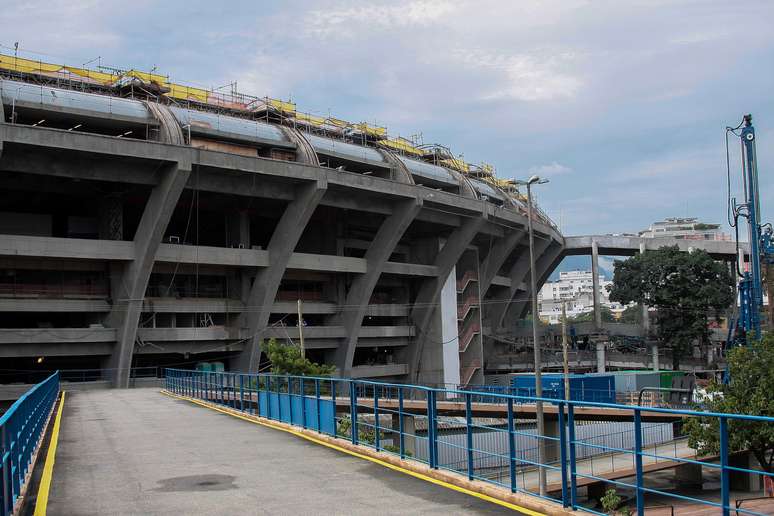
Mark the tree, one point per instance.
(288, 360)
(685, 288)
(631, 315)
(751, 370)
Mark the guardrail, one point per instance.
(405, 420)
(21, 430)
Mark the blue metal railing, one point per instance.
(21, 430)
(408, 420)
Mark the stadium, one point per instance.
(145, 223)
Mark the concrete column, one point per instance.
(595, 284)
(409, 433)
(244, 229)
(600, 357)
(744, 482)
(551, 429)
(129, 285)
(645, 314)
(656, 365)
(377, 255)
(111, 217)
(283, 241)
(689, 475)
(430, 291)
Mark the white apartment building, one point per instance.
(576, 288)
(689, 228)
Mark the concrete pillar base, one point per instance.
(689, 475)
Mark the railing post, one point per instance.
(724, 473)
(317, 401)
(638, 462)
(221, 378)
(376, 418)
(432, 428)
(5, 466)
(333, 399)
(563, 454)
(268, 397)
(303, 403)
(401, 436)
(511, 447)
(241, 392)
(469, 432)
(353, 411)
(573, 472)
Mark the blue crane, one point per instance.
(760, 236)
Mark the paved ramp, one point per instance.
(140, 452)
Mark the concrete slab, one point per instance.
(139, 452)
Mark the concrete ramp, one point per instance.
(140, 452)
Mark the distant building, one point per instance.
(685, 229)
(577, 289)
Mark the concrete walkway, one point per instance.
(140, 452)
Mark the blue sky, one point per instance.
(622, 104)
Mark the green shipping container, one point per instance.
(667, 376)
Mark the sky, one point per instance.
(622, 105)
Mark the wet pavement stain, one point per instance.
(197, 483)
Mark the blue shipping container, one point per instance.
(598, 388)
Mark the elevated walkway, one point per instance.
(140, 452)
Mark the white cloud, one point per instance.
(548, 170)
(348, 21)
(526, 77)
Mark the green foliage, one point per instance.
(685, 289)
(631, 315)
(751, 369)
(365, 434)
(610, 501)
(288, 360)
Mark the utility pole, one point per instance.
(301, 328)
(539, 418)
(565, 360)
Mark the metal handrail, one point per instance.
(355, 410)
(21, 431)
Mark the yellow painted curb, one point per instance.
(375, 460)
(41, 503)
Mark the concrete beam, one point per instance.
(500, 252)
(543, 268)
(131, 280)
(383, 245)
(430, 291)
(283, 241)
(612, 245)
(497, 307)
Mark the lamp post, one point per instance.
(535, 343)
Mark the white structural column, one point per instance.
(377, 255)
(266, 283)
(430, 291)
(595, 284)
(130, 282)
(450, 330)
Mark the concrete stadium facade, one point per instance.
(139, 233)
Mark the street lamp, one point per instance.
(536, 180)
